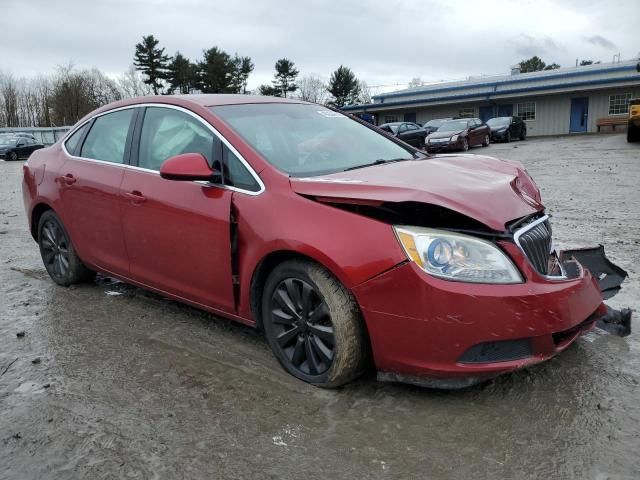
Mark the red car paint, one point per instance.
(173, 238)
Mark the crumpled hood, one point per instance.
(491, 191)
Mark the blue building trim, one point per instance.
(488, 96)
(496, 84)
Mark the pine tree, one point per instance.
(344, 86)
(215, 72)
(285, 78)
(181, 74)
(242, 67)
(152, 62)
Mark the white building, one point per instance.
(552, 102)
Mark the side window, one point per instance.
(108, 136)
(411, 126)
(73, 142)
(403, 128)
(236, 174)
(167, 132)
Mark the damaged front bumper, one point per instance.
(442, 334)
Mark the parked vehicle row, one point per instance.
(18, 146)
(343, 244)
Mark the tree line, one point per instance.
(68, 94)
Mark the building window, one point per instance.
(467, 113)
(526, 111)
(619, 104)
(390, 118)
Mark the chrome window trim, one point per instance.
(213, 130)
(525, 229)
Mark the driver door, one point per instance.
(177, 233)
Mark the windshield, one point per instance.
(453, 126)
(307, 140)
(8, 140)
(499, 122)
(436, 122)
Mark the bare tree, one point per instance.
(365, 92)
(10, 98)
(313, 89)
(415, 82)
(131, 84)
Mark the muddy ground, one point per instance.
(136, 386)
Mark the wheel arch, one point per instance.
(36, 213)
(267, 264)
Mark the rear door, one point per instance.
(177, 233)
(89, 185)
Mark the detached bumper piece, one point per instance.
(608, 275)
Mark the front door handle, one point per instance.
(135, 197)
(68, 179)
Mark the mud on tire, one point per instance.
(58, 254)
(333, 323)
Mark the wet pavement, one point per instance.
(131, 385)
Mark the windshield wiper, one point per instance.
(380, 161)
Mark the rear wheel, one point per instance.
(633, 134)
(523, 135)
(313, 324)
(13, 156)
(58, 255)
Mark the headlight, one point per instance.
(454, 138)
(457, 257)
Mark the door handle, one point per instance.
(135, 197)
(67, 179)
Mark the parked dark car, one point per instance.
(408, 132)
(459, 134)
(433, 125)
(16, 148)
(505, 129)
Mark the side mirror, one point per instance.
(188, 167)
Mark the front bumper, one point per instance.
(446, 334)
(498, 136)
(444, 146)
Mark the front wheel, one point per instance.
(58, 255)
(313, 324)
(486, 141)
(507, 137)
(465, 144)
(633, 134)
(13, 156)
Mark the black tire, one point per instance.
(13, 156)
(486, 141)
(58, 255)
(507, 137)
(523, 136)
(313, 324)
(633, 134)
(465, 144)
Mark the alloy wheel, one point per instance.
(465, 144)
(55, 249)
(13, 156)
(302, 326)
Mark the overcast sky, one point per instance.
(384, 42)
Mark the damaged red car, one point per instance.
(348, 247)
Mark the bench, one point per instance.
(611, 122)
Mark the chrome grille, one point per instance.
(535, 241)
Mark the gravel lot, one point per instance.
(112, 382)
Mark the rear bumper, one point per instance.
(446, 333)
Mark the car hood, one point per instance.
(437, 134)
(491, 191)
(498, 127)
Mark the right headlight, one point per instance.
(454, 138)
(457, 257)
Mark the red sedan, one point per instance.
(345, 245)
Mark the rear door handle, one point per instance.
(68, 179)
(135, 197)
